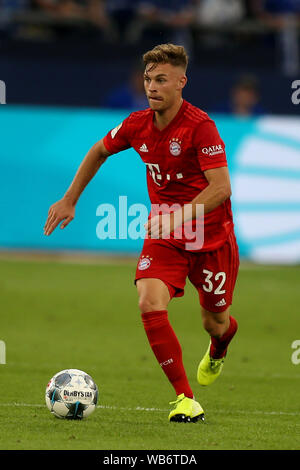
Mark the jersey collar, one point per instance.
(174, 120)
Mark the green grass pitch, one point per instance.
(59, 315)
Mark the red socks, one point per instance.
(218, 348)
(167, 349)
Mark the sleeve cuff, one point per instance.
(213, 165)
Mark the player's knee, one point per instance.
(153, 295)
(148, 304)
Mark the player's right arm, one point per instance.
(64, 209)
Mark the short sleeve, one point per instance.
(210, 147)
(118, 139)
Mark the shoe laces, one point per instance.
(179, 399)
(216, 363)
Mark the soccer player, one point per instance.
(186, 166)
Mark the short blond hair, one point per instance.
(167, 54)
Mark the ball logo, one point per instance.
(175, 147)
(144, 263)
(77, 394)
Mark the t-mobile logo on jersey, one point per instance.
(2, 92)
(296, 93)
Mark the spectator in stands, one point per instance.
(14, 5)
(219, 12)
(63, 8)
(165, 21)
(213, 19)
(89, 11)
(130, 96)
(283, 17)
(244, 100)
(8, 8)
(273, 11)
(122, 14)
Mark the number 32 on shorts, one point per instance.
(219, 278)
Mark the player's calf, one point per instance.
(219, 345)
(212, 363)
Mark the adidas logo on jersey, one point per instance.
(115, 130)
(221, 303)
(144, 148)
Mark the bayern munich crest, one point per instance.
(144, 263)
(175, 147)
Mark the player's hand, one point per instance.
(161, 225)
(62, 210)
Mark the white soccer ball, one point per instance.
(71, 394)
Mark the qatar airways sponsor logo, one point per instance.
(133, 222)
(213, 150)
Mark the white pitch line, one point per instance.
(160, 410)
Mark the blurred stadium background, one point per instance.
(72, 72)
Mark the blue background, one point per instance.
(41, 149)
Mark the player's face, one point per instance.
(163, 85)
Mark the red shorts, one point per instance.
(213, 273)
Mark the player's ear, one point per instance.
(182, 81)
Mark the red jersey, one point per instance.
(176, 159)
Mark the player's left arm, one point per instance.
(215, 193)
(212, 159)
